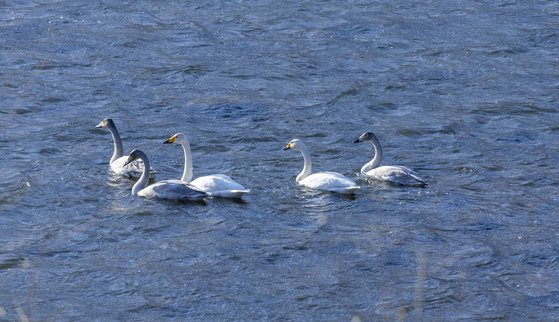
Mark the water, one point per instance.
(464, 92)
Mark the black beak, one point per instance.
(167, 142)
(356, 141)
(128, 161)
(286, 148)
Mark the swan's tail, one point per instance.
(346, 190)
(229, 193)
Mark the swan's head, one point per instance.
(135, 154)
(108, 122)
(367, 136)
(295, 144)
(177, 138)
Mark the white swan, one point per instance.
(117, 162)
(327, 181)
(393, 174)
(165, 189)
(216, 185)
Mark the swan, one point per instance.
(327, 181)
(165, 189)
(215, 185)
(393, 174)
(117, 162)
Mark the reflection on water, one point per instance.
(465, 94)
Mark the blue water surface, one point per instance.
(464, 92)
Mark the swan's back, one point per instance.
(132, 170)
(330, 181)
(172, 190)
(397, 175)
(219, 185)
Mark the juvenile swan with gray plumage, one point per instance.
(165, 189)
(392, 174)
(117, 162)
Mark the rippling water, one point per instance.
(464, 92)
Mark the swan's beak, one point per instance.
(171, 140)
(129, 160)
(357, 141)
(99, 126)
(287, 147)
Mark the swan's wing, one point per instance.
(219, 185)
(132, 170)
(172, 190)
(222, 177)
(397, 175)
(330, 181)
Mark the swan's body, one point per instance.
(326, 181)
(166, 189)
(132, 170)
(329, 181)
(395, 174)
(392, 174)
(215, 185)
(117, 164)
(219, 185)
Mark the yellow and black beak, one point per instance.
(100, 125)
(171, 140)
(288, 146)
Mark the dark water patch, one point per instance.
(10, 263)
(513, 108)
(506, 51)
(50, 151)
(52, 99)
(29, 110)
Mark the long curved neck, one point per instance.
(117, 143)
(143, 181)
(307, 168)
(187, 172)
(377, 158)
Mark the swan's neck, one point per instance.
(143, 181)
(307, 168)
(187, 172)
(377, 158)
(117, 143)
